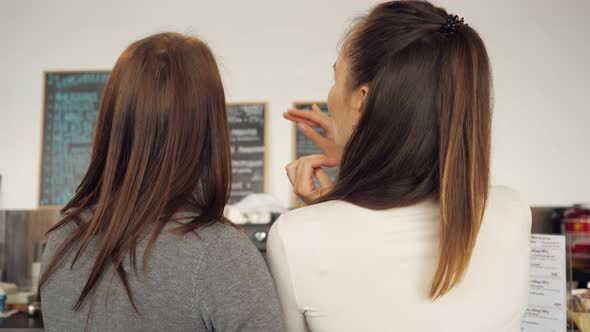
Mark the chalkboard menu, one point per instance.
(70, 106)
(304, 146)
(247, 122)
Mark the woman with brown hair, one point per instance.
(143, 245)
(410, 237)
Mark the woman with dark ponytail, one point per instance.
(411, 237)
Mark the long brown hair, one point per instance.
(161, 146)
(425, 128)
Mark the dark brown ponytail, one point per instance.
(464, 153)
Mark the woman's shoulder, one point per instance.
(324, 208)
(59, 234)
(66, 225)
(507, 216)
(506, 194)
(224, 241)
(229, 236)
(230, 250)
(504, 200)
(218, 236)
(312, 214)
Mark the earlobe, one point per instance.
(364, 93)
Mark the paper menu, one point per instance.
(547, 308)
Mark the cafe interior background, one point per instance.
(276, 53)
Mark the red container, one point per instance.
(576, 223)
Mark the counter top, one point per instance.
(21, 322)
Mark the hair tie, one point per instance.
(450, 27)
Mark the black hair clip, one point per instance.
(450, 27)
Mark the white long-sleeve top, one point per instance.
(341, 267)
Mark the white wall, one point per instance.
(282, 51)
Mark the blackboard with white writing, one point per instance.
(69, 113)
(248, 138)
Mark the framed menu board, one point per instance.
(70, 105)
(247, 122)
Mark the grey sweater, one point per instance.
(215, 282)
